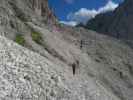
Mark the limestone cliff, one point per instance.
(15, 13)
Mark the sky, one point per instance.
(72, 12)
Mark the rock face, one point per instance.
(118, 23)
(41, 8)
(14, 15)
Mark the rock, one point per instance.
(42, 70)
(117, 23)
(14, 15)
(24, 76)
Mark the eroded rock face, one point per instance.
(15, 13)
(41, 8)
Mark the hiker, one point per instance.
(81, 44)
(75, 66)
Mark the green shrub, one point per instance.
(20, 39)
(37, 37)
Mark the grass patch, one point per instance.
(20, 39)
(36, 36)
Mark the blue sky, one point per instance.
(63, 9)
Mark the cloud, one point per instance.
(69, 23)
(110, 6)
(84, 14)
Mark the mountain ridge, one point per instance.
(118, 24)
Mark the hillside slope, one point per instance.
(27, 75)
(103, 73)
(41, 68)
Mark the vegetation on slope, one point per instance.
(20, 39)
(36, 36)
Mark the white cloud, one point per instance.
(84, 14)
(110, 6)
(69, 23)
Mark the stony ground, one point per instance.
(26, 75)
(104, 71)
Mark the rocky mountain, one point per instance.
(41, 60)
(14, 15)
(118, 23)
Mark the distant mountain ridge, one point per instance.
(118, 23)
